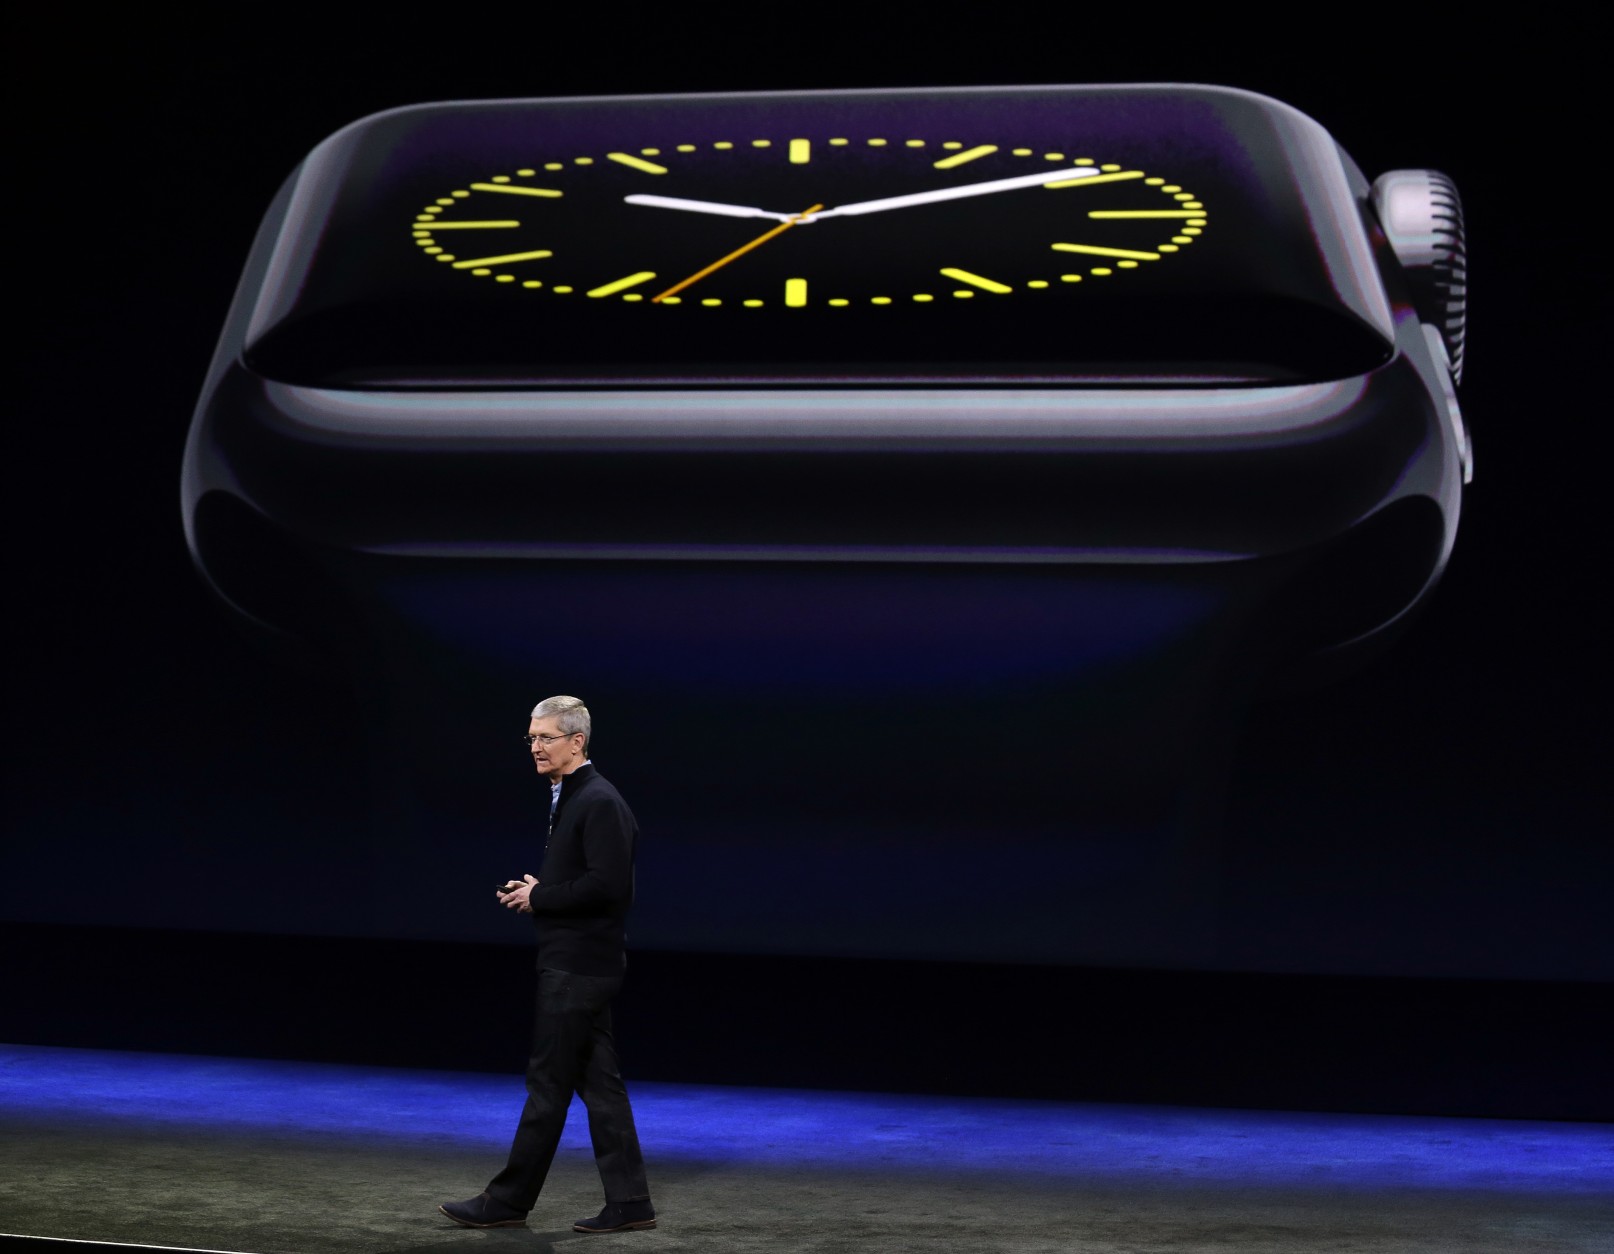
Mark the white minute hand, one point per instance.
(953, 193)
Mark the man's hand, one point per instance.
(514, 896)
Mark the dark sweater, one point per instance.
(585, 884)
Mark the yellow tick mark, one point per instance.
(623, 284)
(976, 280)
(801, 151)
(546, 192)
(796, 293)
(1093, 250)
(1092, 180)
(1145, 213)
(504, 259)
(635, 163)
(491, 224)
(969, 154)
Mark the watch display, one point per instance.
(856, 237)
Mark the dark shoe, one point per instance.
(619, 1217)
(483, 1211)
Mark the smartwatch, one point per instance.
(903, 469)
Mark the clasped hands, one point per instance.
(514, 894)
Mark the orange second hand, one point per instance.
(738, 252)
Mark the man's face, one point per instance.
(561, 755)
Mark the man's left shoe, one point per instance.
(619, 1217)
(483, 1211)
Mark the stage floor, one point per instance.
(303, 1158)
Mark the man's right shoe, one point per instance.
(483, 1211)
(619, 1217)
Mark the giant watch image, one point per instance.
(1022, 434)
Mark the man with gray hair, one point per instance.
(579, 900)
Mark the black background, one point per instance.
(1443, 814)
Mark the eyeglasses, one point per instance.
(546, 741)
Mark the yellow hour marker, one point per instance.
(548, 192)
(1092, 180)
(491, 224)
(635, 163)
(1093, 250)
(801, 151)
(969, 154)
(623, 284)
(1146, 213)
(796, 293)
(976, 280)
(505, 259)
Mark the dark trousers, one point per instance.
(572, 1051)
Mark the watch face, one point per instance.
(1102, 234)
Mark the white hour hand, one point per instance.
(955, 193)
(705, 206)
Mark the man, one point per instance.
(578, 900)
